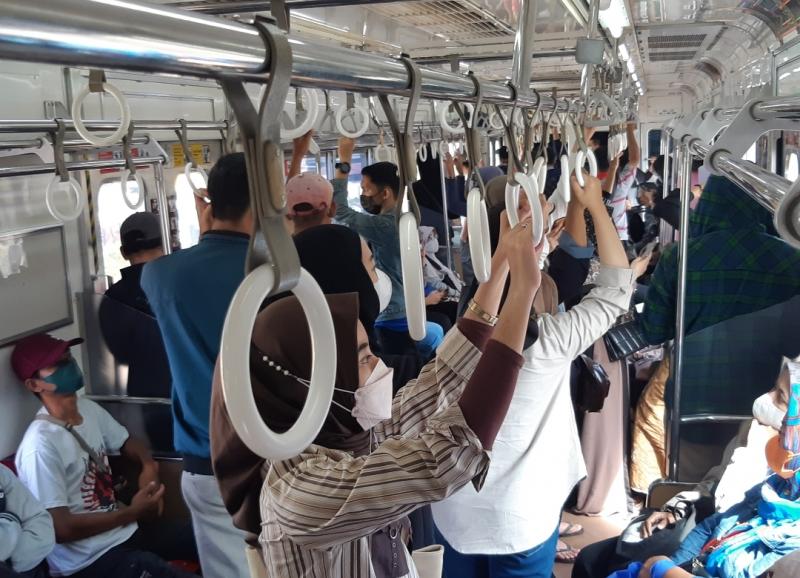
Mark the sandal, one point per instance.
(566, 554)
(565, 530)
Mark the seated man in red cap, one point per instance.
(63, 462)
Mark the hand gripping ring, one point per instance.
(51, 206)
(123, 181)
(413, 284)
(446, 126)
(125, 117)
(187, 172)
(361, 127)
(480, 245)
(234, 364)
(312, 112)
(580, 158)
(529, 187)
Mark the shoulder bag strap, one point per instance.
(78, 438)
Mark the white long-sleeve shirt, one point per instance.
(536, 458)
(26, 529)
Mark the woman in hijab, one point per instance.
(338, 509)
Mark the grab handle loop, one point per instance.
(479, 247)
(273, 267)
(188, 159)
(311, 114)
(407, 212)
(97, 83)
(353, 110)
(528, 186)
(130, 171)
(62, 177)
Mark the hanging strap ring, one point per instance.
(62, 177)
(130, 171)
(116, 94)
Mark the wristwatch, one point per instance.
(343, 167)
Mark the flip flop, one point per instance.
(566, 554)
(565, 530)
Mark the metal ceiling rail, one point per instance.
(50, 125)
(133, 36)
(50, 169)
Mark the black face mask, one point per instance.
(370, 205)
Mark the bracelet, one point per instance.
(487, 317)
(660, 568)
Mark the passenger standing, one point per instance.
(511, 527)
(621, 195)
(126, 320)
(380, 188)
(189, 292)
(309, 202)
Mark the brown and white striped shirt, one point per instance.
(320, 508)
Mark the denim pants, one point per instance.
(534, 563)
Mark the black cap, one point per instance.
(502, 152)
(139, 232)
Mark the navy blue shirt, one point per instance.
(189, 292)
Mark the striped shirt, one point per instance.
(320, 509)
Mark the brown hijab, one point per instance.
(281, 333)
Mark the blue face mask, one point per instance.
(67, 378)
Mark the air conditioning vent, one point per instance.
(678, 41)
(667, 56)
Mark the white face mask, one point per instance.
(765, 411)
(383, 287)
(374, 398)
(431, 245)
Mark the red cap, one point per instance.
(308, 192)
(37, 352)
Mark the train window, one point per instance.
(111, 211)
(354, 180)
(188, 227)
(654, 142)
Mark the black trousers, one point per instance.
(598, 560)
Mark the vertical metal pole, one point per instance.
(449, 248)
(667, 232)
(163, 207)
(674, 409)
(523, 47)
(591, 32)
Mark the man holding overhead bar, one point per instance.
(189, 292)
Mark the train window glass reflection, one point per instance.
(111, 211)
(188, 227)
(750, 155)
(792, 169)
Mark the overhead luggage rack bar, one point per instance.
(164, 40)
(49, 169)
(28, 126)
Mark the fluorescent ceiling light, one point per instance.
(615, 18)
(631, 67)
(623, 52)
(635, 77)
(638, 84)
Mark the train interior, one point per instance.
(666, 66)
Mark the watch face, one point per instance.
(344, 167)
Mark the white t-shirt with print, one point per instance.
(59, 473)
(619, 198)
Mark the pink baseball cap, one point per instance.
(308, 192)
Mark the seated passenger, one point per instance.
(743, 465)
(442, 286)
(511, 526)
(309, 202)
(26, 530)
(129, 327)
(749, 538)
(338, 509)
(63, 461)
(380, 186)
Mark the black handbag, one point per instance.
(664, 542)
(624, 339)
(593, 384)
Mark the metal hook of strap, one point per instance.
(184, 140)
(403, 139)
(511, 141)
(471, 135)
(58, 150)
(223, 133)
(97, 78)
(261, 138)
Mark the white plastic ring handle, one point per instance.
(529, 187)
(564, 185)
(234, 363)
(124, 121)
(361, 127)
(187, 172)
(75, 188)
(312, 113)
(446, 126)
(539, 173)
(434, 150)
(123, 181)
(580, 159)
(383, 153)
(413, 284)
(422, 152)
(495, 121)
(480, 245)
(512, 200)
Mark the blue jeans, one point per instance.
(534, 563)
